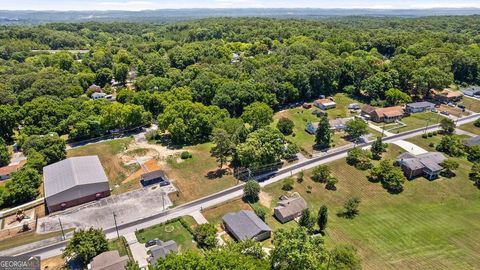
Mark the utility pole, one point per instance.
(61, 227)
(116, 227)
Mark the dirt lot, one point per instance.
(451, 110)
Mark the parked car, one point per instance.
(451, 104)
(461, 106)
(150, 243)
(434, 110)
(445, 112)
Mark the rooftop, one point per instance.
(389, 111)
(71, 172)
(245, 224)
(109, 260)
(421, 104)
(291, 206)
(325, 101)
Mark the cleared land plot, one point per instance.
(171, 231)
(27, 237)
(452, 110)
(416, 120)
(54, 263)
(116, 171)
(120, 245)
(470, 127)
(198, 176)
(430, 225)
(471, 104)
(342, 111)
(430, 143)
(214, 214)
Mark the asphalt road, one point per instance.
(222, 196)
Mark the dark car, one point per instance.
(150, 243)
(461, 106)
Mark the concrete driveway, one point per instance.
(127, 207)
(139, 251)
(410, 147)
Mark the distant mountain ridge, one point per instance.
(173, 15)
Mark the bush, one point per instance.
(321, 173)
(185, 155)
(429, 134)
(431, 144)
(251, 190)
(260, 211)
(151, 135)
(285, 126)
(288, 184)
(205, 235)
(435, 133)
(359, 158)
(424, 136)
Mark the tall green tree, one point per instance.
(224, 146)
(323, 135)
(86, 244)
(251, 190)
(356, 128)
(4, 154)
(205, 235)
(450, 165)
(322, 218)
(258, 115)
(378, 147)
(262, 147)
(447, 125)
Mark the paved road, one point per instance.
(225, 195)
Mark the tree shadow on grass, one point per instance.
(219, 173)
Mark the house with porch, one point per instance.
(427, 164)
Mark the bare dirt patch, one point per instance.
(265, 199)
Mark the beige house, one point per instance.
(289, 208)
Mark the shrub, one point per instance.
(285, 126)
(251, 190)
(431, 144)
(351, 207)
(435, 133)
(260, 211)
(424, 135)
(185, 155)
(321, 173)
(359, 158)
(288, 184)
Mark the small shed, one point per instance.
(471, 91)
(155, 177)
(289, 208)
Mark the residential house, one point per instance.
(306, 105)
(446, 95)
(98, 95)
(155, 177)
(354, 106)
(387, 115)
(471, 91)
(419, 107)
(74, 181)
(325, 104)
(289, 208)
(246, 225)
(366, 111)
(428, 164)
(160, 250)
(109, 260)
(472, 141)
(339, 124)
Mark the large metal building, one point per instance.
(74, 181)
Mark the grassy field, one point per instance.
(471, 104)
(214, 214)
(301, 117)
(108, 153)
(430, 225)
(196, 177)
(471, 128)
(418, 120)
(120, 245)
(425, 143)
(171, 231)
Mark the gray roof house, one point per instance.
(422, 106)
(289, 208)
(472, 141)
(246, 225)
(161, 250)
(109, 260)
(471, 91)
(427, 164)
(74, 181)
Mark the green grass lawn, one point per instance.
(196, 177)
(114, 168)
(171, 231)
(418, 120)
(120, 245)
(430, 225)
(341, 111)
(471, 128)
(426, 143)
(214, 214)
(471, 104)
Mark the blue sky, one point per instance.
(162, 4)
